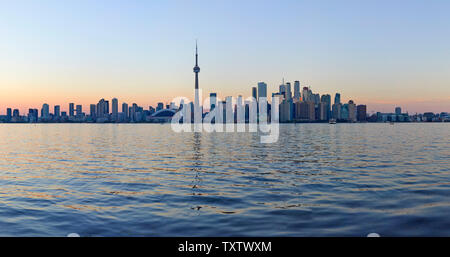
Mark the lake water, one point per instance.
(145, 180)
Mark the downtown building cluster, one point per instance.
(102, 112)
(300, 105)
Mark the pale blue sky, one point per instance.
(381, 53)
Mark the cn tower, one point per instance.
(196, 68)
(198, 113)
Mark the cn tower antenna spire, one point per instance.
(196, 68)
(196, 53)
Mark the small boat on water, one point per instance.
(332, 121)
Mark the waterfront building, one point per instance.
(286, 112)
(57, 111)
(115, 109)
(344, 112)
(304, 111)
(336, 111)
(8, 114)
(125, 110)
(351, 111)
(45, 112)
(323, 111)
(79, 111)
(92, 111)
(71, 109)
(361, 111)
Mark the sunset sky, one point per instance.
(380, 53)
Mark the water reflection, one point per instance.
(124, 179)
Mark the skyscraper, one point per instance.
(45, 111)
(125, 110)
(79, 110)
(255, 92)
(337, 98)
(102, 109)
(327, 100)
(288, 91)
(297, 90)
(283, 91)
(398, 110)
(8, 114)
(361, 111)
(336, 111)
(351, 111)
(262, 90)
(115, 109)
(305, 94)
(71, 109)
(93, 111)
(16, 113)
(57, 111)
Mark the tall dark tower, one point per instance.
(196, 68)
(198, 113)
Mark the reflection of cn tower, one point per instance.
(197, 108)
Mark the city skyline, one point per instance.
(296, 104)
(379, 54)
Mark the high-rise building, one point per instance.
(115, 109)
(398, 110)
(336, 111)
(351, 111)
(212, 101)
(102, 109)
(286, 112)
(361, 111)
(92, 111)
(297, 90)
(282, 91)
(327, 100)
(107, 107)
(79, 110)
(125, 110)
(323, 111)
(262, 90)
(71, 109)
(305, 94)
(33, 115)
(16, 113)
(57, 111)
(305, 111)
(337, 98)
(255, 92)
(288, 91)
(8, 114)
(45, 111)
(344, 112)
